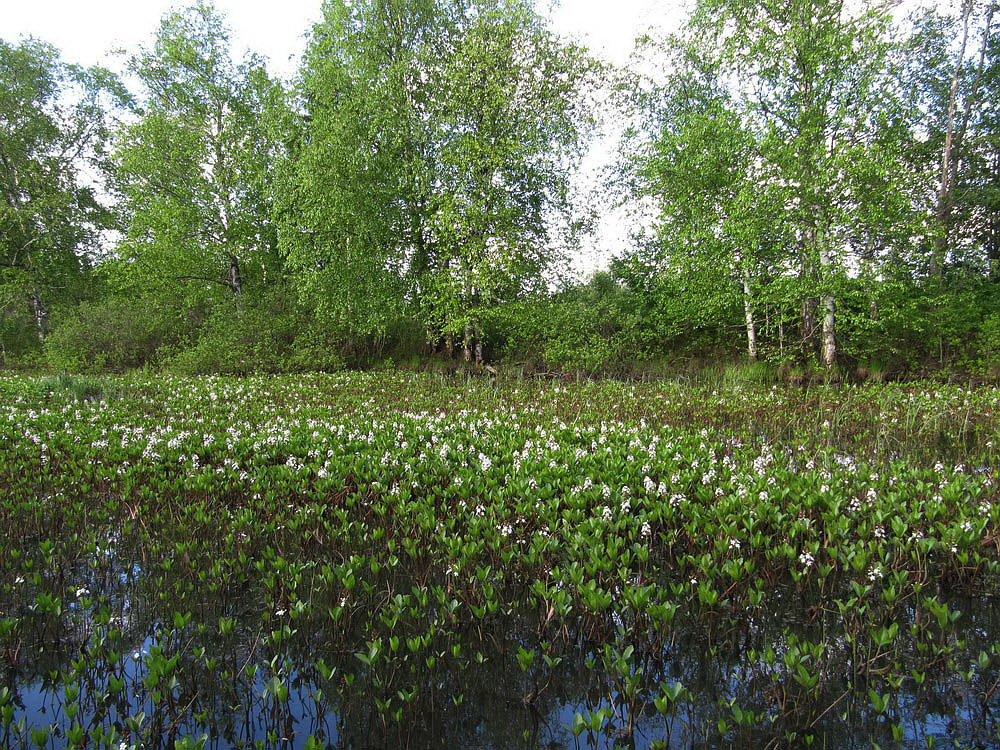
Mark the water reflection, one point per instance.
(127, 647)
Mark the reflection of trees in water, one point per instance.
(458, 701)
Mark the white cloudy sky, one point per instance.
(86, 31)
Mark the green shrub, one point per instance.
(315, 350)
(582, 329)
(114, 334)
(19, 347)
(988, 343)
(268, 334)
(238, 340)
(80, 387)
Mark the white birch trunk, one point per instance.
(944, 190)
(748, 311)
(829, 307)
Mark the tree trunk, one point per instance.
(41, 315)
(807, 323)
(942, 212)
(233, 276)
(829, 340)
(748, 311)
(809, 305)
(829, 307)
(449, 344)
(467, 345)
(992, 243)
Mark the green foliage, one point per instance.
(773, 153)
(53, 126)
(18, 332)
(579, 330)
(435, 148)
(271, 333)
(193, 170)
(114, 334)
(314, 349)
(240, 339)
(988, 342)
(76, 387)
(412, 191)
(438, 535)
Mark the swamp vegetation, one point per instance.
(406, 560)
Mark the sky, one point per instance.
(85, 32)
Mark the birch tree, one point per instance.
(54, 122)
(811, 75)
(438, 139)
(511, 131)
(193, 169)
(716, 207)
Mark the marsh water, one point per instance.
(93, 639)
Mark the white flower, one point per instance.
(646, 530)
(607, 514)
(806, 560)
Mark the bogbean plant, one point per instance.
(372, 559)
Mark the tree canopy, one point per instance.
(820, 177)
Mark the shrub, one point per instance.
(238, 340)
(268, 334)
(114, 334)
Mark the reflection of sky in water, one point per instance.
(492, 713)
(548, 728)
(43, 707)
